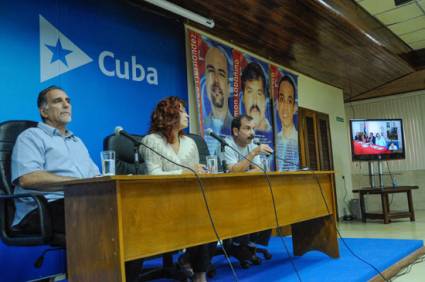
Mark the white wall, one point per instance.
(410, 171)
(327, 99)
(315, 95)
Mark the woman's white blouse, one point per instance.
(154, 164)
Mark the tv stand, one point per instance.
(380, 175)
(386, 214)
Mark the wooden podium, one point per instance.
(111, 220)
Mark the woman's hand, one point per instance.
(201, 169)
(198, 168)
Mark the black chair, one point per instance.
(129, 161)
(125, 154)
(202, 147)
(10, 235)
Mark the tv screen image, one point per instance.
(376, 139)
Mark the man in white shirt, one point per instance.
(242, 135)
(243, 247)
(380, 140)
(48, 153)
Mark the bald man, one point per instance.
(217, 87)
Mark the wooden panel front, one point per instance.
(299, 198)
(111, 220)
(92, 233)
(164, 214)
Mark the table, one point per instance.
(363, 148)
(111, 220)
(386, 214)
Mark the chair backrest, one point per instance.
(9, 131)
(124, 154)
(202, 147)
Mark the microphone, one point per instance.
(120, 131)
(211, 133)
(223, 144)
(257, 142)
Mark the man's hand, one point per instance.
(263, 149)
(34, 179)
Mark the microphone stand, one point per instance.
(223, 145)
(136, 144)
(136, 158)
(223, 161)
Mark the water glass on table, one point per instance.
(212, 164)
(108, 162)
(265, 162)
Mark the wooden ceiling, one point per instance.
(334, 41)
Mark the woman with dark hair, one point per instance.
(166, 137)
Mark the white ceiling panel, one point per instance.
(407, 21)
(400, 14)
(408, 25)
(418, 45)
(377, 6)
(413, 36)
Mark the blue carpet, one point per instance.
(17, 263)
(316, 266)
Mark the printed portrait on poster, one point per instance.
(285, 106)
(213, 75)
(251, 83)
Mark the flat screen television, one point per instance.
(377, 139)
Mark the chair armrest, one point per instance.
(11, 237)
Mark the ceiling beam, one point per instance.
(415, 58)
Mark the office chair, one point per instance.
(202, 147)
(10, 235)
(129, 161)
(127, 157)
(245, 259)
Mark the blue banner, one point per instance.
(114, 60)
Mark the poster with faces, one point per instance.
(285, 111)
(229, 83)
(213, 79)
